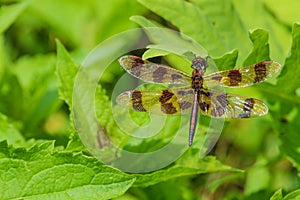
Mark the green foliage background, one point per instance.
(43, 42)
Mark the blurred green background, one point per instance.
(267, 148)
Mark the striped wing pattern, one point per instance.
(153, 73)
(218, 104)
(213, 103)
(164, 102)
(245, 76)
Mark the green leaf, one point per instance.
(169, 40)
(39, 89)
(66, 71)
(115, 13)
(190, 20)
(27, 68)
(188, 164)
(104, 115)
(279, 34)
(4, 57)
(277, 195)
(150, 53)
(291, 67)
(225, 179)
(144, 22)
(214, 24)
(75, 143)
(91, 18)
(227, 61)
(260, 51)
(9, 13)
(11, 95)
(43, 173)
(227, 22)
(51, 13)
(288, 113)
(127, 196)
(292, 195)
(10, 133)
(286, 12)
(177, 189)
(253, 174)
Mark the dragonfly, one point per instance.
(194, 93)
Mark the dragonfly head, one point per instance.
(199, 63)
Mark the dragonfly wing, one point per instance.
(153, 73)
(165, 102)
(244, 76)
(218, 104)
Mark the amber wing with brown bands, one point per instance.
(218, 104)
(213, 103)
(165, 102)
(153, 73)
(244, 76)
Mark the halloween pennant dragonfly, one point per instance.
(192, 92)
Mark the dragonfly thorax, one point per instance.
(197, 79)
